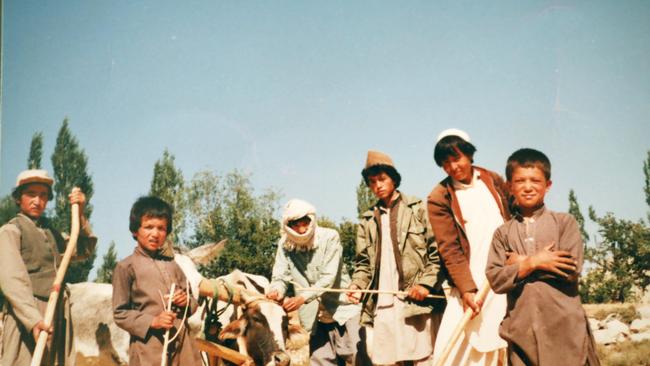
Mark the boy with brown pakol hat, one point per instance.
(31, 252)
(396, 251)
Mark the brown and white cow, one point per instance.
(100, 342)
(260, 327)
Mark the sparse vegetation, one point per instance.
(625, 354)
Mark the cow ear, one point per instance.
(298, 337)
(234, 329)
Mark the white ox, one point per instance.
(99, 341)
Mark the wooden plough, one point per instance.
(218, 353)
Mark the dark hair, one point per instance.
(151, 206)
(452, 146)
(382, 168)
(528, 158)
(18, 191)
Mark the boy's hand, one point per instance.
(353, 296)
(164, 320)
(274, 295)
(468, 302)
(77, 196)
(512, 258)
(293, 303)
(418, 293)
(40, 327)
(559, 262)
(179, 299)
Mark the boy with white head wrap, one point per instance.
(311, 256)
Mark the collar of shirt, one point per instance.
(393, 203)
(536, 214)
(460, 185)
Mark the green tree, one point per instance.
(105, 272)
(35, 151)
(168, 184)
(70, 170)
(365, 198)
(574, 209)
(204, 197)
(620, 259)
(324, 221)
(8, 209)
(247, 221)
(348, 234)
(646, 188)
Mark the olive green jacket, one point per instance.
(416, 255)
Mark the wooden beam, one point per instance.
(213, 349)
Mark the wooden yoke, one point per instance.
(207, 288)
(56, 286)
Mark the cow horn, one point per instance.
(246, 297)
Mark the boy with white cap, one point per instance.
(311, 256)
(464, 210)
(31, 251)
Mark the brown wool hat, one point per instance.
(32, 176)
(378, 158)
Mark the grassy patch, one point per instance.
(626, 312)
(625, 353)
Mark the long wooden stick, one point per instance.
(346, 290)
(480, 296)
(56, 286)
(166, 338)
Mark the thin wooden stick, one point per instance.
(346, 290)
(187, 306)
(56, 286)
(166, 338)
(480, 296)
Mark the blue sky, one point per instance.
(296, 93)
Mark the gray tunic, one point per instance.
(22, 309)
(545, 323)
(138, 281)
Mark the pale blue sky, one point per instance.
(297, 92)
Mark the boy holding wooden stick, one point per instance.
(141, 288)
(31, 251)
(396, 251)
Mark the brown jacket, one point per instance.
(138, 281)
(449, 227)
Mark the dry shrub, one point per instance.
(625, 353)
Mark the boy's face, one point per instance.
(459, 167)
(300, 225)
(33, 200)
(382, 186)
(152, 233)
(529, 186)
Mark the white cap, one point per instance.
(33, 176)
(453, 132)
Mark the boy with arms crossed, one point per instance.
(536, 259)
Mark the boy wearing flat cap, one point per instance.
(31, 252)
(396, 251)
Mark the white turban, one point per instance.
(294, 210)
